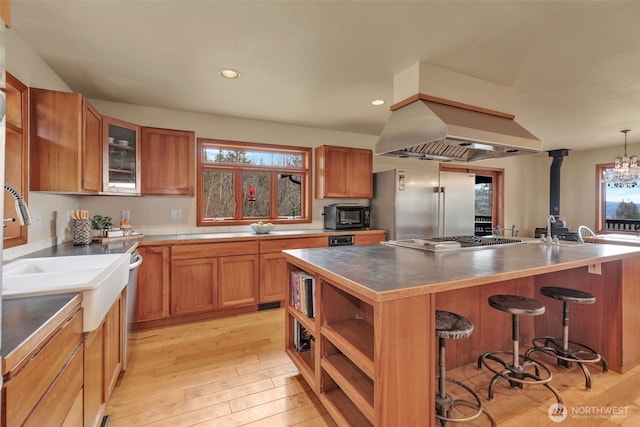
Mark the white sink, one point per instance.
(100, 278)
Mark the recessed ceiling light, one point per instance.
(229, 73)
(377, 102)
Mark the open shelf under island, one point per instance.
(373, 355)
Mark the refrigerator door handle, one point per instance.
(441, 203)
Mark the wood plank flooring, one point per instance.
(234, 372)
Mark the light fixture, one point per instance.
(377, 102)
(625, 170)
(229, 73)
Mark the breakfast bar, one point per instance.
(372, 356)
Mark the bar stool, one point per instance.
(516, 371)
(559, 347)
(454, 326)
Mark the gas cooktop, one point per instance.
(439, 244)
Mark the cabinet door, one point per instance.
(16, 160)
(274, 274)
(112, 346)
(120, 156)
(238, 284)
(94, 388)
(60, 160)
(194, 285)
(343, 172)
(153, 284)
(369, 239)
(91, 165)
(168, 162)
(360, 172)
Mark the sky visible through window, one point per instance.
(613, 197)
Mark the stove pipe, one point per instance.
(554, 180)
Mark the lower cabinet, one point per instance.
(196, 278)
(44, 389)
(212, 276)
(102, 364)
(153, 283)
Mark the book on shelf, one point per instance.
(301, 337)
(303, 290)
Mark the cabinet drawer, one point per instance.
(278, 245)
(60, 399)
(207, 250)
(23, 391)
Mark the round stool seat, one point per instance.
(452, 325)
(570, 295)
(516, 304)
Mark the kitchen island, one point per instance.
(372, 359)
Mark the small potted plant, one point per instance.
(102, 224)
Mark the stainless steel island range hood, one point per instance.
(445, 131)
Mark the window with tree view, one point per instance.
(241, 183)
(619, 204)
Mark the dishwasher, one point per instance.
(129, 306)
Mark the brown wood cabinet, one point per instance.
(66, 143)
(16, 161)
(210, 276)
(120, 156)
(355, 366)
(5, 12)
(102, 363)
(343, 172)
(274, 273)
(168, 162)
(153, 283)
(42, 388)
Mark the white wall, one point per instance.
(526, 177)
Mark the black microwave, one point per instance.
(344, 217)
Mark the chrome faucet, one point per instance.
(21, 207)
(496, 231)
(548, 239)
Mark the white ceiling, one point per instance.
(574, 66)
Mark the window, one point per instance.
(242, 183)
(618, 207)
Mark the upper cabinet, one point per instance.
(16, 165)
(343, 172)
(167, 162)
(66, 143)
(121, 156)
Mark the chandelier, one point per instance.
(625, 172)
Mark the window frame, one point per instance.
(601, 212)
(238, 169)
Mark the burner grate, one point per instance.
(473, 241)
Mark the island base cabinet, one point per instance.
(366, 366)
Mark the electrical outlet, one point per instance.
(595, 269)
(176, 214)
(37, 220)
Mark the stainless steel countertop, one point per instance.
(382, 272)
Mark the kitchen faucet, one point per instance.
(21, 207)
(497, 230)
(548, 239)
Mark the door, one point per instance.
(457, 203)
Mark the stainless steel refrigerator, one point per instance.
(416, 203)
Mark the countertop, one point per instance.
(25, 318)
(616, 239)
(382, 272)
(247, 235)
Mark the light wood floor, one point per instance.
(234, 372)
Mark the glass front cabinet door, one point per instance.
(121, 157)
